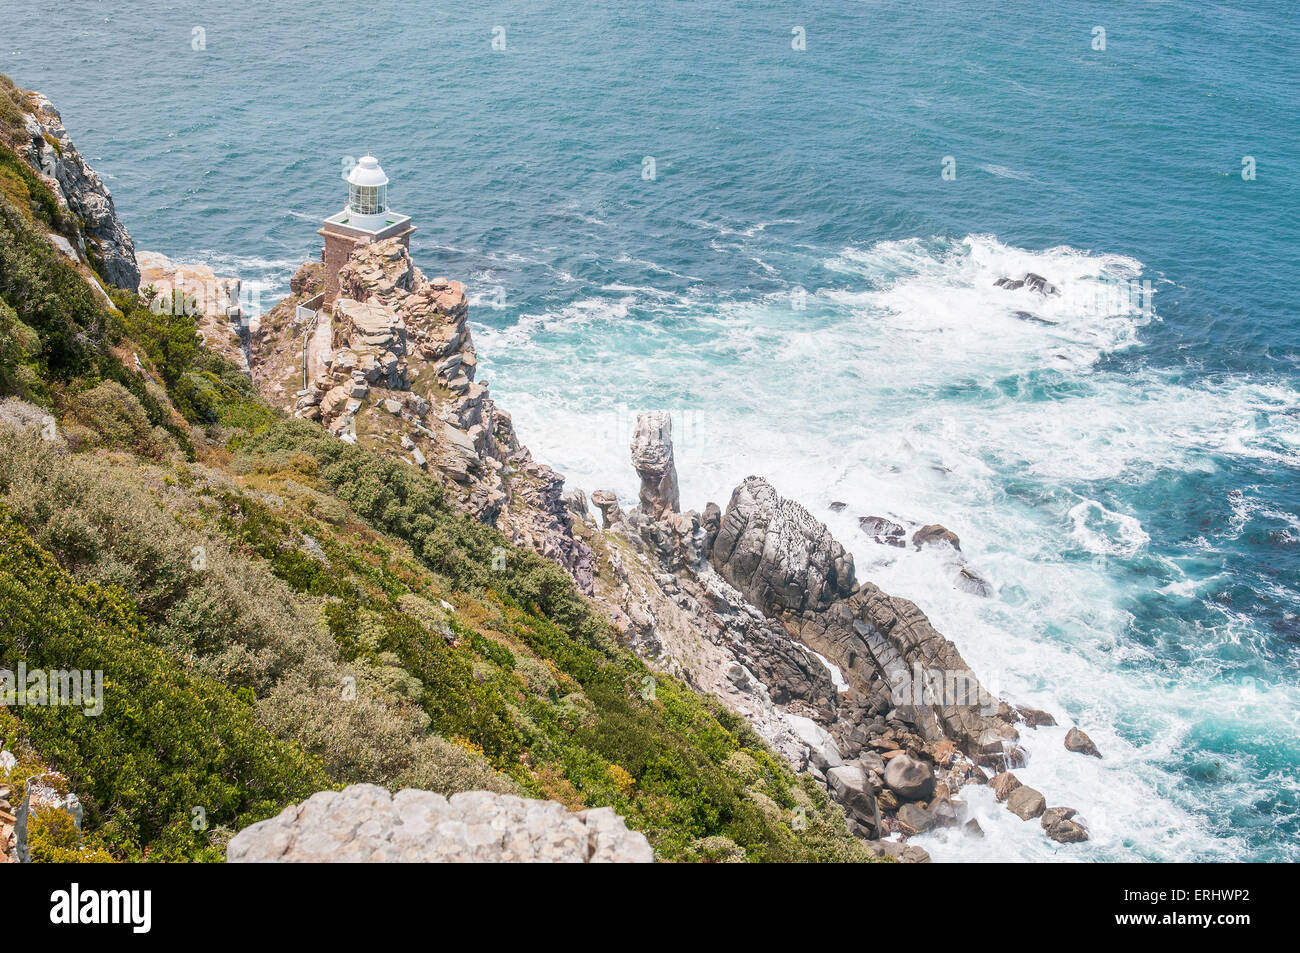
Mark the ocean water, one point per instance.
(669, 206)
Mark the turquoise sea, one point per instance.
(671, 205)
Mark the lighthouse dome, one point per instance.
(367, 172)
(367, 188)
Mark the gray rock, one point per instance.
(872, 763)
(1076, 740)
(1026, 803)
(652, 456)
(82, 191)
(914, 819)
(777, 554)
(576, 502)
(364, 823)
(852, 790)
(607, 503)
(910, 778)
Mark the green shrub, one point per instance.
(119, 420)
(165, 741)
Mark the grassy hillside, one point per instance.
(277, 612)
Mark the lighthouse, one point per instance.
(366, 218)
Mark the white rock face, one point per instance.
(365, 824)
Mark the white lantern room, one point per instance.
(367, 193)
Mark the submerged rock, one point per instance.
(883, 530)
(1030, 282)
(935, 534)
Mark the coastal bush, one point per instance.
(53, 838)
(19, 344)
(118, 419)
(165, 741)
(11, 103)
(49, 296)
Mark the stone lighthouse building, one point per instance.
(367, 218)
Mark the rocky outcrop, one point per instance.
(653, 459)
(392, 367)
(365, 824)
(212, 301)
(652, 456)
(104, 240)
(776, 553)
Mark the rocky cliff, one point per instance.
(758, 605)
(392, 368)
(104, 240)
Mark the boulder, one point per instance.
(936, 535)
(777, 554)
(1076, 740)
(1063, 825)
(652, 456)
(1026, 803)
(364, 823)
(944, 812)
(1004, 784)
(910, 778)
(914, 819)
(852, 790)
